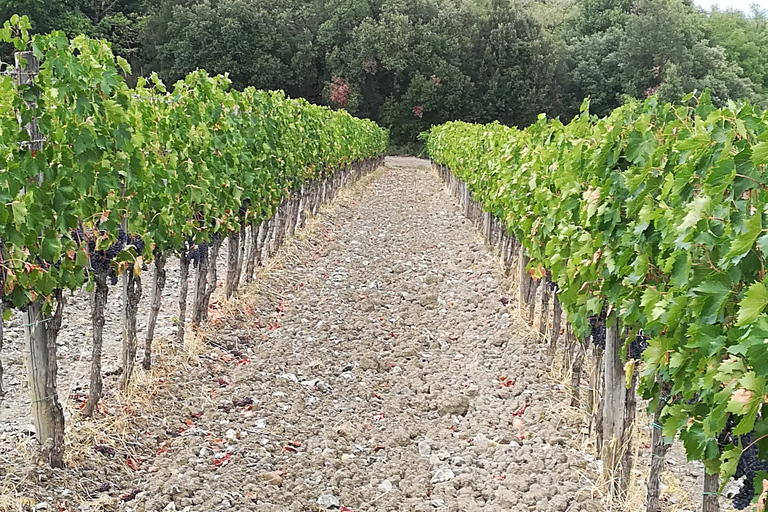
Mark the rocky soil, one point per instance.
(376, 365)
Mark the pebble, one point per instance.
(443, 474)
(328, 501)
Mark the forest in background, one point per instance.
(410, 64)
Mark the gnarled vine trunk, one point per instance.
(98, 303)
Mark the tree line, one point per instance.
(410, 64)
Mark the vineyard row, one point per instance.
(99, 180)
(650, 226)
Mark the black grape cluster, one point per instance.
(637, 347)
(597, 322)
(101, 260)
(552, 284)
(749, 465)
(137, 242)
(196, 252)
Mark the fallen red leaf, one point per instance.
(133, 464)
(521, 410)
(153, 469)
(128, 496)
(222, 461)
(295, 444)
(162, 449)
(288, 449)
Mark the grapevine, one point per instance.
(656, 212)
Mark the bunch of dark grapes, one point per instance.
(197, 252)
(637, 347)
(137, 242)
(748, 467)
(597, 322)
(101, 260)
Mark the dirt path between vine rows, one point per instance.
(375, 379)
(376, 365)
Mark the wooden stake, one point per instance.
(183, 291)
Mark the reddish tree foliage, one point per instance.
(340, 92)
(419, 111)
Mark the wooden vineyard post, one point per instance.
(533, 288)
(544, 314)
(40, 332)
(487, 227)
(2, 338)
(710, 502)
(183, 291)
(614, 413)
(577, 364)
(524, 284)
(241, 257)
(658, 451)
(201, 281)
(557, 317)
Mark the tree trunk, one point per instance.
(710, 502)
(544, 315)
(658, 452)
(524, 283)
(201, 281)
(576, 368)
(132, 295)
(293, 220)
(557, 316)
(253, 248)
(158, 283)
(264, 234)
(241, 257)
(2, 338)
(213, 258)
(42, 369)
(98, 303)
(274, 233)
(532, 289)
(183, 291)
(232, 256)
